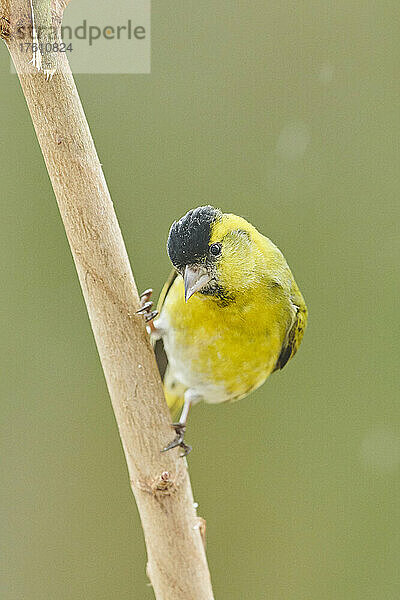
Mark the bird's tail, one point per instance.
(174, 394)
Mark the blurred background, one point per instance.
(287, 114)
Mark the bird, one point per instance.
(229, 315)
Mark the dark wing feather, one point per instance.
(161, 357)
(295, 333)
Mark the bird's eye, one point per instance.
(215, 249)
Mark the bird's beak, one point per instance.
(194, 278)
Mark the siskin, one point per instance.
(229, 315)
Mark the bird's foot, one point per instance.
(178, 441)
(145, 309)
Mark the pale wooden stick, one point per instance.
(177, 564)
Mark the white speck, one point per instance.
(197, 526)
(380, 450)
(36, 56)
(326, 73)
(139, 366)
(49, 74)
(196, 504)
(293, 141)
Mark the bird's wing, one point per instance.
(295, 332)
(161, 357)
(167, 286)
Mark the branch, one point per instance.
(177, 564)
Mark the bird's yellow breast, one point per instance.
(223, 351)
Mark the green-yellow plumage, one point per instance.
(244, 319)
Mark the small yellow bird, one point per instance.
(229, 315)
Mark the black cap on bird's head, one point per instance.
(188, 247)
(189, 238)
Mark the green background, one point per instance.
(288, 114)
